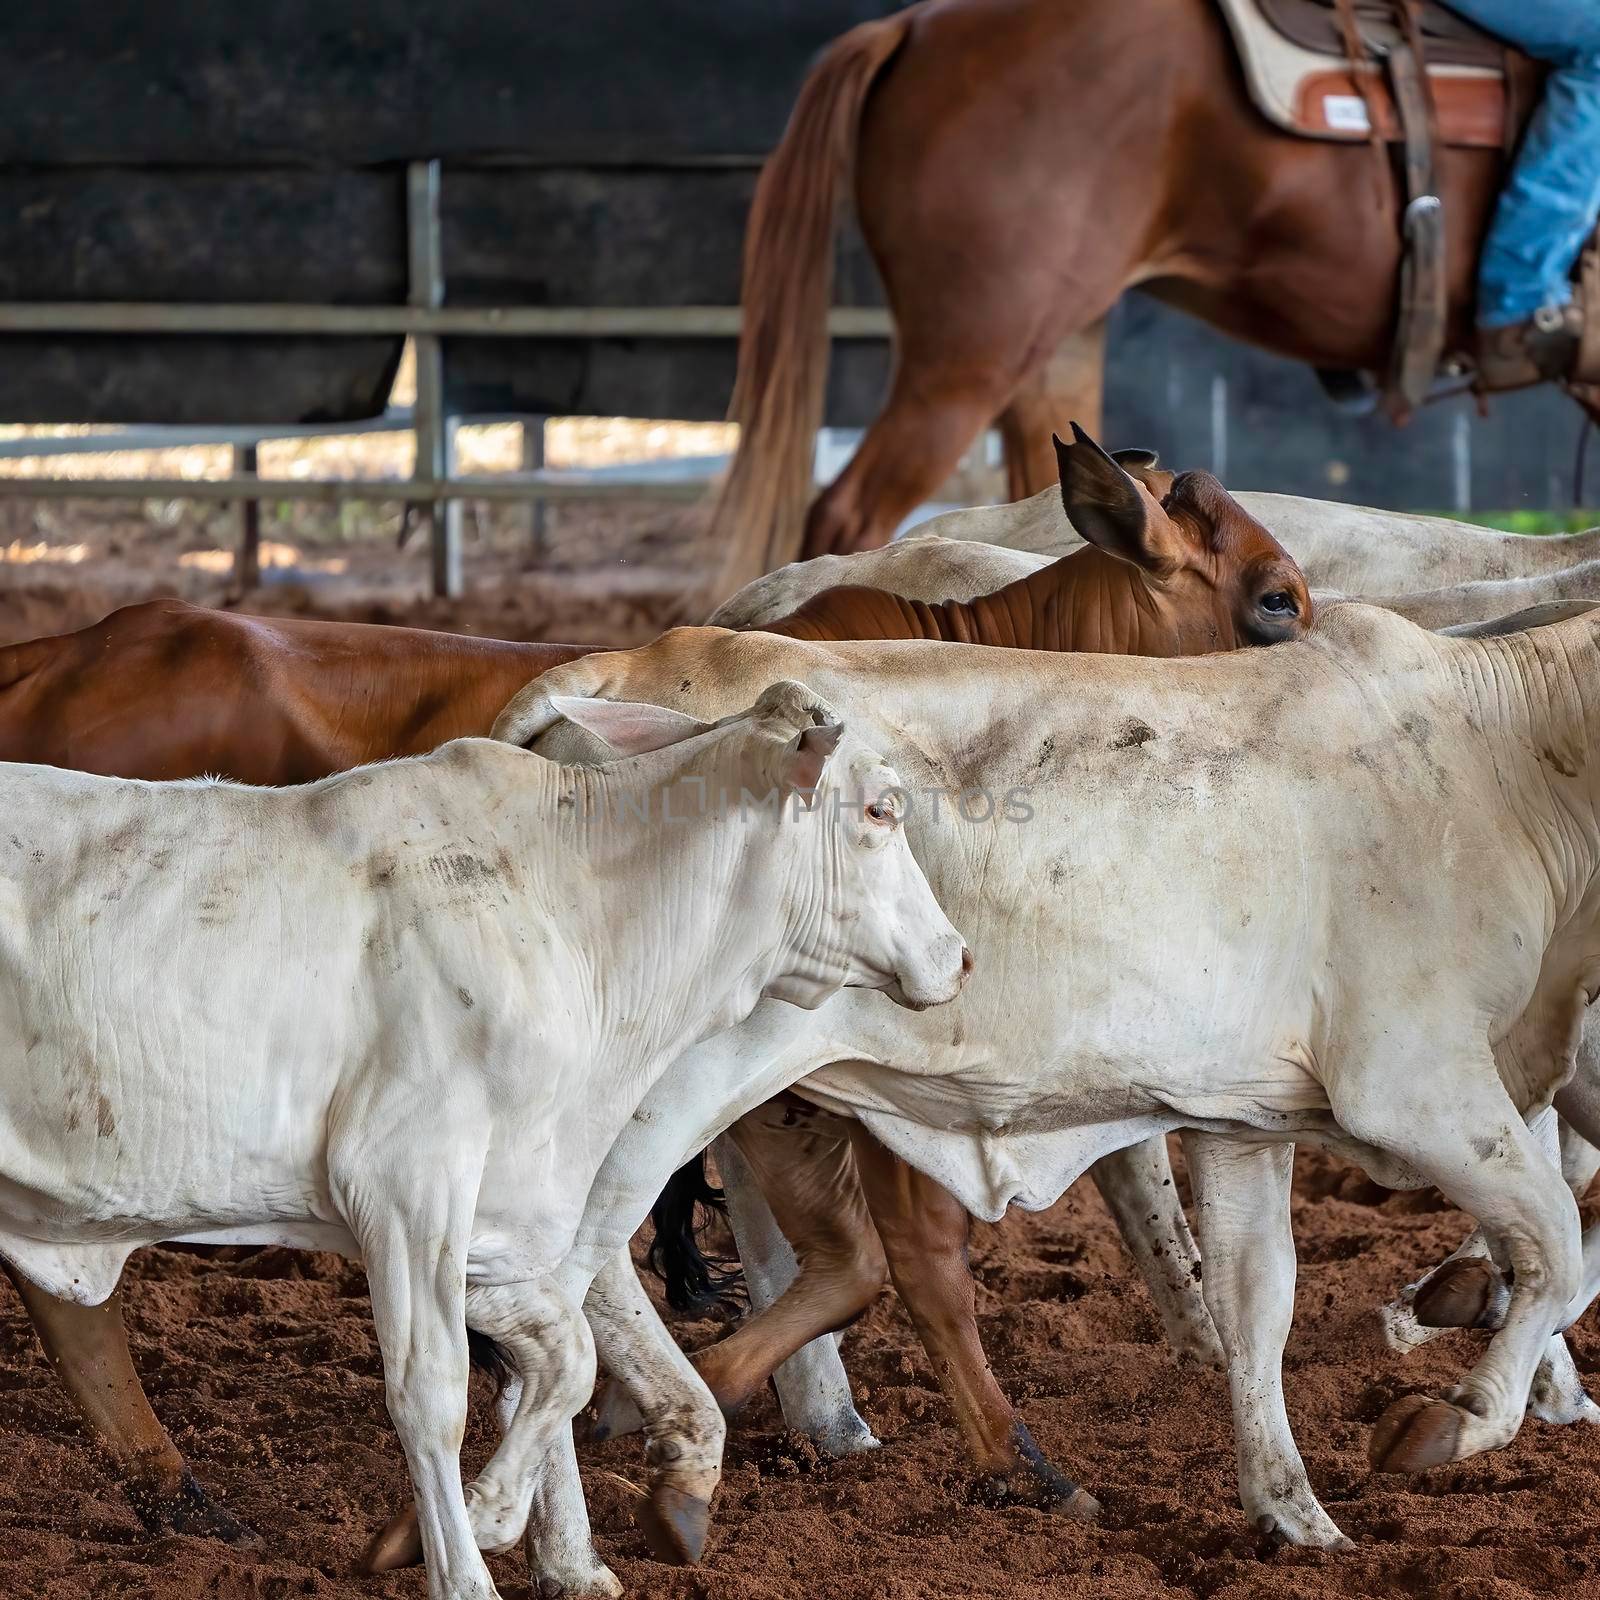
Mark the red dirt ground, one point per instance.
(268, 1374)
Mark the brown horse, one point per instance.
(1017, 165)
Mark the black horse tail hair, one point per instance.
(489, 1356)
(694, 1281)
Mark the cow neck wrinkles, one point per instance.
(1086, 601)
(668, 834)
(1543, 686)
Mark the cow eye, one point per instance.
(1279, 603)
(878, 811)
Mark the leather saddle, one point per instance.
(1297, 61)
(1415, 75)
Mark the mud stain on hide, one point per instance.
(105, 1121)
(1132, 734)
(463, 871)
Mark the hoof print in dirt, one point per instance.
(1417, 1432)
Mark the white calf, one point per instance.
(403, 1013)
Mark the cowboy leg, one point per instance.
(1549, 205)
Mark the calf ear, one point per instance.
(1107, 507)
(630, 727)
(806, 756)
(1141, 464)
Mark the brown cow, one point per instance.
(170, 690)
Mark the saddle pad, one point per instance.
(1314, 93)
(1448, 39)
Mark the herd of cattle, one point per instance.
(468, 1010)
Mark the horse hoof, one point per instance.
(398, 1543)
(1415, 1433)
(1460, 1294)
(674, 1524)
(190, 1511)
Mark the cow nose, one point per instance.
(966, 962)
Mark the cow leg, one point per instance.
(414, 1240)
(1461, 1132)
(88, 1347)
(1241, 1196)
(548, 1342)
(813, 1387)
(533, 1486)
(808, 1177)
(682, 1422)
(924, 1231)
(804, 1171)
(1467, 1289)
(1138, 1189)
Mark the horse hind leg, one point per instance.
(1068, 388)
(934, 412)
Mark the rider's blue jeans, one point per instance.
(1550, 204)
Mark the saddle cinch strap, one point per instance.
(1422, 322)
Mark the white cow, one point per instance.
(1345, 890)
(402, 1013)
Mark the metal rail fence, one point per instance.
(426, 320)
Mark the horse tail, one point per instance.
(694, 1281)
(489, 1356)
(786, 292)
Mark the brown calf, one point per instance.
(1174, 566)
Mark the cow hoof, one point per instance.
(674, 1524)
(188, 1510)
(1461, 1294)
(398, 1543)
(1415, 1433)
(593, 1587)
(1036, 1481)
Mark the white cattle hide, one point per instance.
(403, 1013)
(1298, 893)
